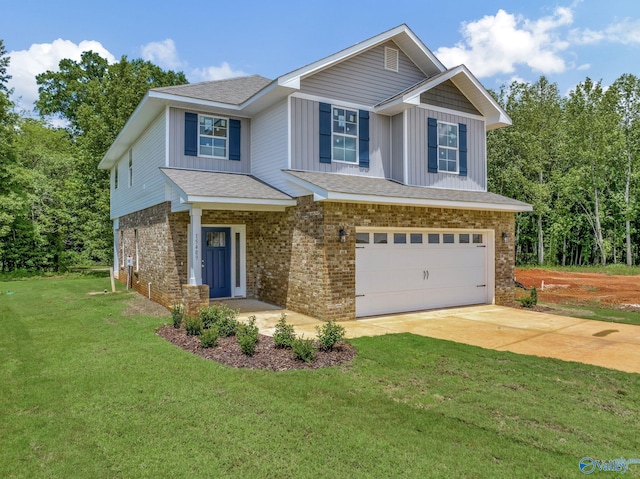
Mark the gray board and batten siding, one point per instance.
(363, 78)
(417, 148)
(397, 148)
(177, 158)
(305, 143)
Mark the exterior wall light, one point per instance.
(506, 236)
(343, 235)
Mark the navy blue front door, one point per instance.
(216, 268)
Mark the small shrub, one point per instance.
(247, 335)
(329, 334)
(193, 325)
(219, 315)
(284, 335)
(209, 338)
(304, 349)
(177, 315)
(531, 300)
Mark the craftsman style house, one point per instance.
(353, 186)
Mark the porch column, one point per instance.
(195, 255)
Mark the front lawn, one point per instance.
(86, 391)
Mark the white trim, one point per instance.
(194, 101)
(214, 137)
(195, 255)
(332, 101)
(116, 245)
(405, 148)
(289, 136)
(239, 201)
(457, 148)
(167, 134)
(449, 111)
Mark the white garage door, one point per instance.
(411, 270)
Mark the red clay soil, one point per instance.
(580, 288)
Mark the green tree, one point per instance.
(96, 98)
(626, 90)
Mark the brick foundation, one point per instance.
(294, 258)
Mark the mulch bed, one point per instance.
(266, 356)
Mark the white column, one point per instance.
(116, 246)
(195, 253)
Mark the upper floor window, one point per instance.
(345, 135)
(130, 167)
(213, 135)
(447, 147)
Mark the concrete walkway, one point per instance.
(610, 345)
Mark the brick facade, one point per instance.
(295, 258)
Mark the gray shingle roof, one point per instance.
(222, 185)
(233, 91)
(363, 185)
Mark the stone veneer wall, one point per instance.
(295, 258)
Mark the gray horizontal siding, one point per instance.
(148, 189)
(363, 79)
(305, 149)
(417, 152)
(447, 95)
(177, 158)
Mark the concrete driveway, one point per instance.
(611, 345)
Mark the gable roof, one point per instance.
(465, 81)
(364, 189)
(232, 91)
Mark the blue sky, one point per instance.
(498, 40)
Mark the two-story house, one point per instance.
(353, 186)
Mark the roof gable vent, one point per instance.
(391, 59)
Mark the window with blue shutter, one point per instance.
(191, 134)
(234, 140)
(432, 138)
(462, 148)
(325, 133)
(363, 139)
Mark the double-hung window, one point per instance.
(344, 134)
(213, 135)
(448, 147)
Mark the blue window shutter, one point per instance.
(234, 140)
(363, 138)
(191, 134)
(432, 138)
(462, 148)
(325, 133)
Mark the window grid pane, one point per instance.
(433, 238)
(380, 238)
(362, 238)
(345, 135)
(213, 136)
(448, 238)
(416, 238)
(400, 238)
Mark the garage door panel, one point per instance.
(409, 277)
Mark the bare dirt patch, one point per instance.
(581, 288)
(266, 355)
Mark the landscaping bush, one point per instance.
(177, 315)
(209, 337)
(329, 334)
(304, 349)
(219, 315)
(193, 326)
(247, 335)
(284, 335)
(531, 300)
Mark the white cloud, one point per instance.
(583, 67)
(163, 54)
(499, 43)
(626, 32)
(40, 57)
(215, 73)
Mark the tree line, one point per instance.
(575, 158)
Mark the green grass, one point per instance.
(88, 392)
(595, 313)
(610, 269)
